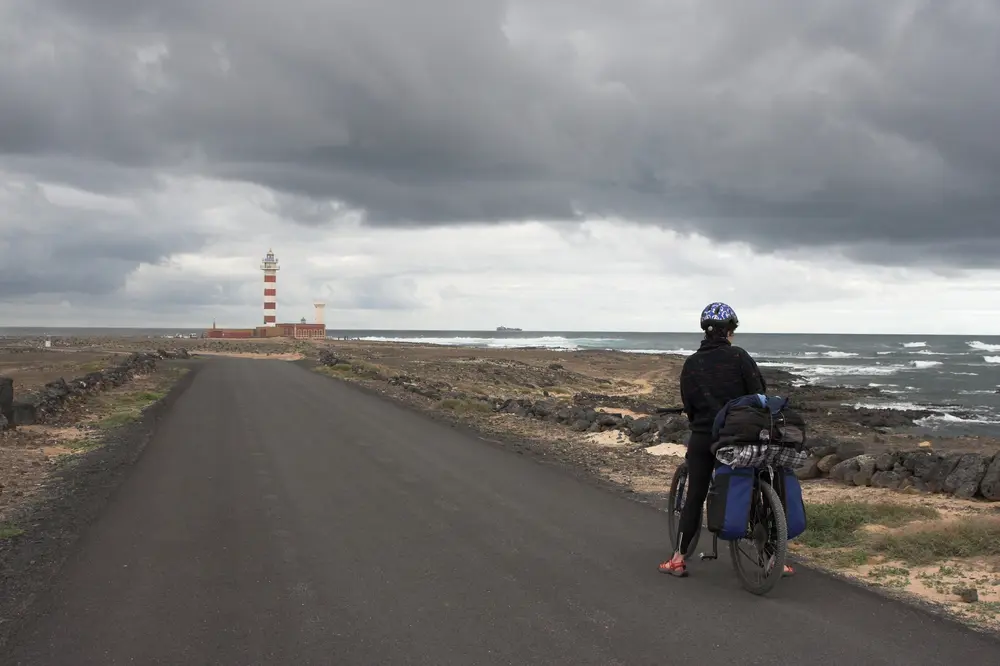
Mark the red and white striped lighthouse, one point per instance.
(270, 267)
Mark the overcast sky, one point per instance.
(823, 166)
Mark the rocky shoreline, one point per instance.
(855, 446)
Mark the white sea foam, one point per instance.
(679, 352)
(910, 345)
(895, 406)
(924, 365)
(992, 359)
(982, 346)
(940, 415)
(951, 419)
(819, 371)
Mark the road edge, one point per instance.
(656, 501)
(58, 515)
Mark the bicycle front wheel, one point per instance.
(767, 532)
(675, 504)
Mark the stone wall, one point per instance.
(964, 475)
(52, 398)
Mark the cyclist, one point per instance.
(715, 374)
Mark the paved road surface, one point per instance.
(281, 518)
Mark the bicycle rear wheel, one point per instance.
(675, 504)
(768, 532)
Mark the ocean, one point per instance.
(956, 378)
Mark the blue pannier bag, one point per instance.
(728, 506)
(795, 507)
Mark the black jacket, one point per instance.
(715, 374)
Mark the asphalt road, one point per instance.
(279, 517)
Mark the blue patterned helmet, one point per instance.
(719, 316)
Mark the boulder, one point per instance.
(609, 420)
(886, 461)
(327, 357)
(7, 401)
(57, 389)
(866, 469)
(989, 487)
(849, 449)
(844, 470)
(640, 426)
(920, 463)
(580, 425)
(964, 480)
(892, 479)
(937, 475)
(672, 429)
(809, 470)
(24, 413)
(543, 409)
(827, 463)
(822, 446)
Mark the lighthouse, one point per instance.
(270, 267)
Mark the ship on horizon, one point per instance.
(505, 328)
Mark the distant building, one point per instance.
(271, 328)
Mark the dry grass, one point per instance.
(928, 543)
(464, 406)
(839, 524)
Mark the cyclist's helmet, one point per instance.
(719, 316)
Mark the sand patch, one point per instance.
(642, 483)
(667, 449)
(612, 438)
(623, 412)
(941, 583)
(51, 452)
(55, 433)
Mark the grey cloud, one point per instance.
(80, 254)
(866, 125)
(372, 293)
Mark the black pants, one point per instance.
(700, 463)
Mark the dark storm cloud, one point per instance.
(868, 125)
(74, 252)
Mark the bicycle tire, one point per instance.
(772, 504)
(673, 512)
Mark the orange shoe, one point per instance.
(786, 572)
(675, 566)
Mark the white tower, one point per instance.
(270, 267)
(320, 307)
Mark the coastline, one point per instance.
(593, 412)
